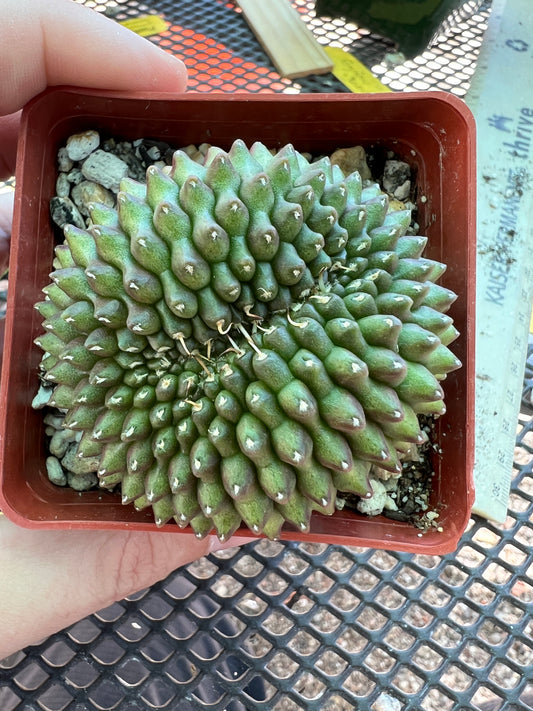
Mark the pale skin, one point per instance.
(50, 579)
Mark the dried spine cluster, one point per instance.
(240, 340)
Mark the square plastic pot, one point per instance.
(434, 132)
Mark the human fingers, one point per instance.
(51, 42)
(6, 215)
(51, 579)
(9, 126)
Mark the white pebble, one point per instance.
(88, 192)
(80, 145)
(105, 169)
(62, 185)
(64, 163)
(374, 504)
(55, 471)
(42, 397)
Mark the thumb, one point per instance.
(6, 217)
(9, 126)
(50, 42)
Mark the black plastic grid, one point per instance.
(222, 54)
(287, 626)
(297, 626)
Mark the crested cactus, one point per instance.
(240, 340)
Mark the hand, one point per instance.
(50, 579)
(52, 42)
(6, 215)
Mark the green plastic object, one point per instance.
(412, 24)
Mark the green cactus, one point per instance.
(241, 340)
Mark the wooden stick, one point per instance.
(285, 37)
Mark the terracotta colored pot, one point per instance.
(434, 132)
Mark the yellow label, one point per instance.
(146, 25)
(353, 74)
